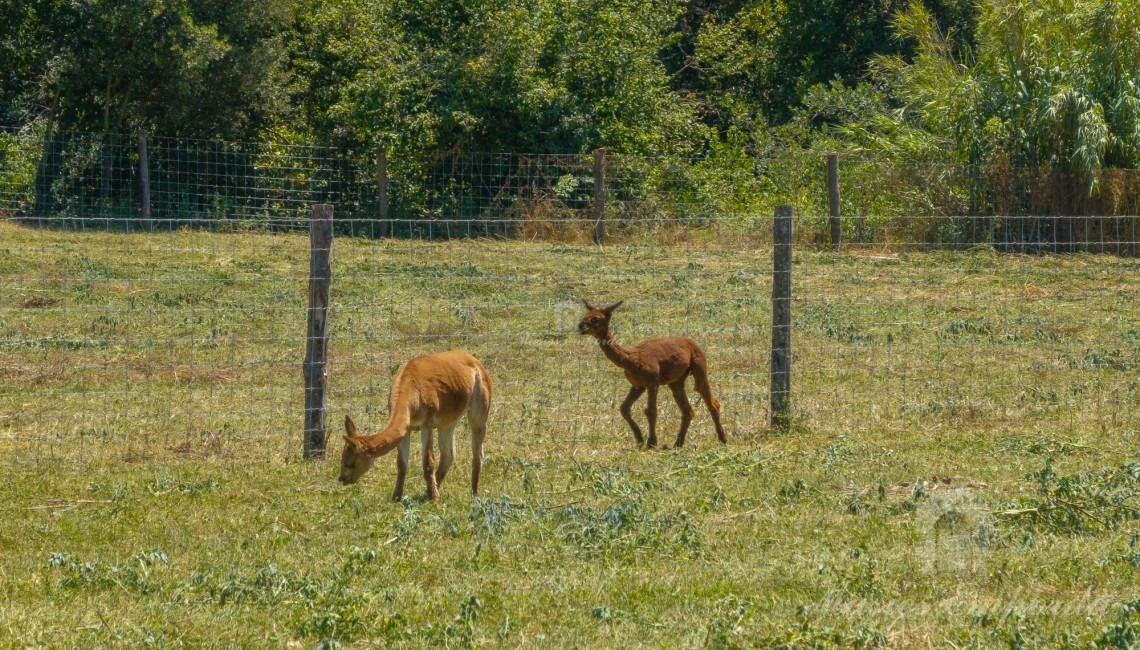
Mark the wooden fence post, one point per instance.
(386, 229)
(833, 198)
(781, 368)
(144, 180)
(317, 341)
(599, 195)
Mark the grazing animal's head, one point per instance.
(357, 458)
(596, 322)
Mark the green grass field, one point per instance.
(961, 472)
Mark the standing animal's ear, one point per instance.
(349, 426)
(612, 308)
(589, 305)
(354, 442)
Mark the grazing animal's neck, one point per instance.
(400, 408)
(613, 351)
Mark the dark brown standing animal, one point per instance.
(651, 364)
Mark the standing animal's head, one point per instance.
(357, 457)
(596, 322)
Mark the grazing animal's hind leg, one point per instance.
(478, 410)
(678, 388)
(700, 375)
(446, 453)
(634, 393)
(651, 415)
(429, 464)
(403, 451)
(478, 432)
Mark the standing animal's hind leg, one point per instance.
(702, 386)
(634, 393)
(403, 451)
(678, 388)
(651, 415)
(446, 453)
(429, 464)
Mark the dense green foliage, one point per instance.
(540, 76)
(193, 67)
(959, 96)
(1050, 84)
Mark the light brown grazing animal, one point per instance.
(649, 365)
(430, 391)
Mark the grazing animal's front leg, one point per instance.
(687, 412)
(403, 450)
(429, 463)
(634, 393)
(651, 415)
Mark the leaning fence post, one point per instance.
(833, 198)
(781, 368)
(382, 191)
(599, 195)
(144, 180)
(317, 341)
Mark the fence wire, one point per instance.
(96, 181)
(962, 302)
(188, 343)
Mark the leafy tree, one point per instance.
(497, 75)
(1053, 84)
(748, 60)
(188, 67)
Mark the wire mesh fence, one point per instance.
(119, 346)
(91, 181)
(183, 333)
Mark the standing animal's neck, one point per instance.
(613, 351)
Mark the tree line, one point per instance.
(993, 86)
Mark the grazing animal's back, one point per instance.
(442, 382)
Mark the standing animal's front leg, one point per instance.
(429, 464)
(403, 451)
(634, 393)
(651, 415)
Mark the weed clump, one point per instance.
(132, 575)
(734, 627)
(625, 526)
(331, 610)
(1083, 503)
